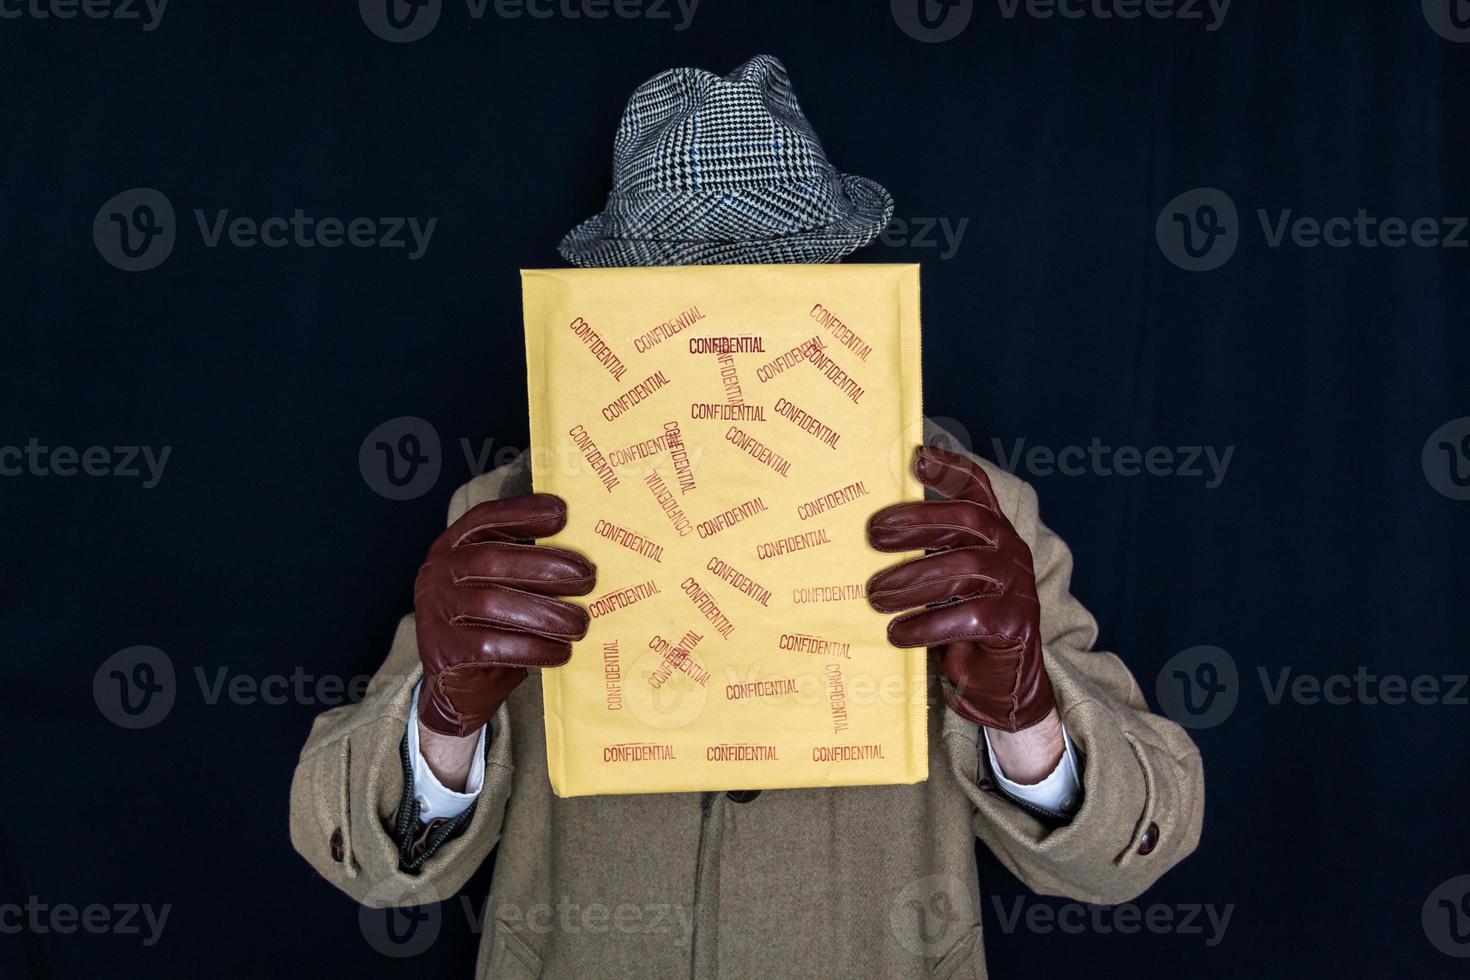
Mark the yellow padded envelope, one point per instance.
(721, 435)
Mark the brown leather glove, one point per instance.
(484, 610)
(978, 589)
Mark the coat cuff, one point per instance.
(1141, 809)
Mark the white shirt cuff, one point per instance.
(435, 799)
(1059, 794)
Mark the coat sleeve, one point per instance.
(1143, 783)
(348, 817)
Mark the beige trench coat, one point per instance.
(855, 882)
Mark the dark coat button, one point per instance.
(338, 850)
(743, 795)
(1150, 839)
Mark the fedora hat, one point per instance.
(710, 170)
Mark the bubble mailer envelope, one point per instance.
(721, 435)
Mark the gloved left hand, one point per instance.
(975, 593)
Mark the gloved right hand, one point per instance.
(485, 608)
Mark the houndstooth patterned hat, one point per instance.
(710, 170)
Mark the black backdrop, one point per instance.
(1333, 544)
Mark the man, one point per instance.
(1039, 745)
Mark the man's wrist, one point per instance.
(1058, 794)
(449, 757)
(1031, 754)
(447, 771)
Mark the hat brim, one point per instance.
(589, 245)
